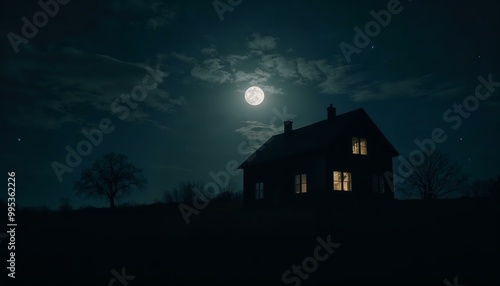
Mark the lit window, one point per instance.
(355, 145)
(300, 184)
(359, 146)
(363, 146)
(342, 181)
(259, 190)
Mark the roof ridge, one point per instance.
(304, 138)
(326, 120)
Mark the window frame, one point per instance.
(355, 145)
(363, 148)
(300, 185)
(343, 181)
(259, 190)
(359, 146)
(381, 184)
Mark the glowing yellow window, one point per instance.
(342, 181)
(363, 147)
(355, 145)
(359, 146)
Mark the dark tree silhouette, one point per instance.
(486, 188)
(493, 188)
(228, 194)
(111, 177)
(437, 177)
(183, 193)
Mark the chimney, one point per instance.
(331, 111)
(288, 126)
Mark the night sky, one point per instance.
(71, 74)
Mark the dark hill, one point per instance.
(382, 243)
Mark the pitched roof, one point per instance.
(307, 138)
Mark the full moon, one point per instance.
(254, 95)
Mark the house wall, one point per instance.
(362, 167)
(279, 177)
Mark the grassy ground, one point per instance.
(382, 243)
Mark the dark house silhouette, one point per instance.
(344, 155)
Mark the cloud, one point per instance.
(234, 60)
(447, 89)
(285, 68)
(413, 87)
(154, 14)
(211, 50)
(184, 58)
(164, 102)
(329, 76)
(157, 22)
(44, 116)
(261, 43)
(76, 87)
(270, 90)
(256, 78)
(308, 70)
(256, 133)
(211, 70)
(162, 18)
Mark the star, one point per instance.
(373, 46)
(18, 139)
(461, 138)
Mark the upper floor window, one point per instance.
(301, 184)
(359, 146)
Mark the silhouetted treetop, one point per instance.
(112, 177)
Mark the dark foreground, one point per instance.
(381, 243)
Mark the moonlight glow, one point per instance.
(254, 95)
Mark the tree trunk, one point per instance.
(111, 203)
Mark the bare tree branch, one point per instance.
(112, 177)
(437, 177)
